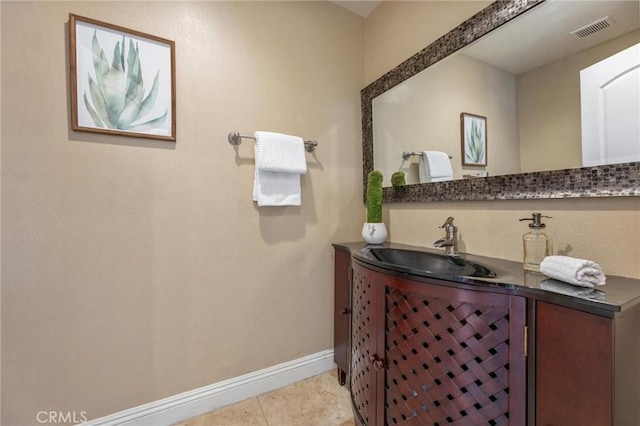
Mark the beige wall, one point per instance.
(550, 137)
(606, 230)
(396, 30)
(134, 270)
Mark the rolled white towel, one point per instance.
(581, 272)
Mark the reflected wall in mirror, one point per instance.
(532, 103)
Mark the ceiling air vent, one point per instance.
(593, 27)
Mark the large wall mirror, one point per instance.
(514, 69)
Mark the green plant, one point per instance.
(117, 99)
(398, 179)
(374, 197)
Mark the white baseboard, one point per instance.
(189, 404)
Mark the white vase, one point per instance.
(374, 233)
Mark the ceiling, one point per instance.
(361, 7)
(549, 25)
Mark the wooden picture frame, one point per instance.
(122, 81)
(473, 137)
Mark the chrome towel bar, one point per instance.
(407, 154)
(235, 138)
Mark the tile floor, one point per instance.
(317, 401)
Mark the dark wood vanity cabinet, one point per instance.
(428, 354)
(420, 351)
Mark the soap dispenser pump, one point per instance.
(536, 243)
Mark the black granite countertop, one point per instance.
(617, 295)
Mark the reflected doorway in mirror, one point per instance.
(473, 133)
(610, 107)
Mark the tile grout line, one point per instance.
(264, 416)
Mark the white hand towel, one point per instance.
(581, 272)
(276, 189)
(276, 152)
(280, 160)
(434, 166)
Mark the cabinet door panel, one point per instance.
(362, 377)
(449, 356)
(341, 315)
(574, 373)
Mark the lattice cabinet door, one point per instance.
(453, 356)
(366, 365)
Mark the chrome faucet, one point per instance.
(450, 241)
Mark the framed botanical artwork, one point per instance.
(473, 130)
(122, 81)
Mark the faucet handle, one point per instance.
(448, 222)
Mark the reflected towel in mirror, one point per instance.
(434, 166)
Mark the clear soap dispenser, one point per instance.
(536, 243)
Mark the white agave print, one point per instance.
(112, 81)
(474, 141)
